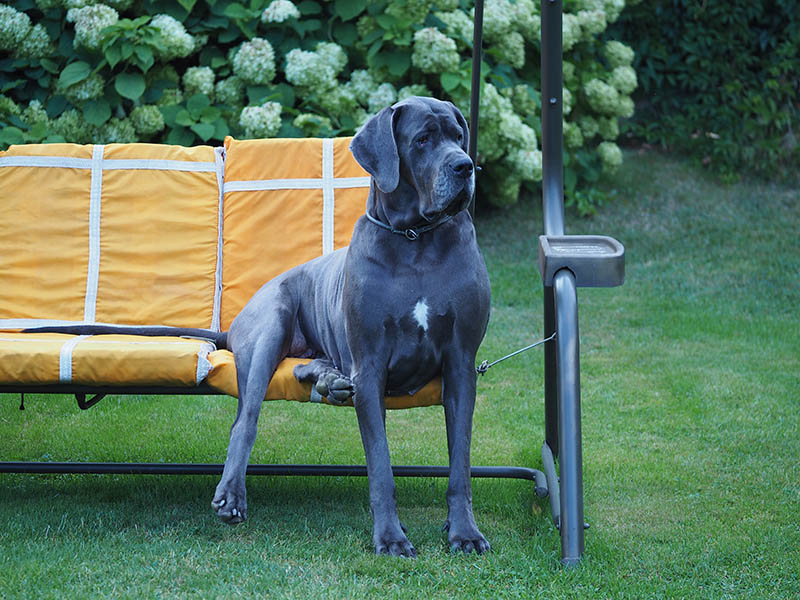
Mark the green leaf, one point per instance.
(237, 11)
(449, 81)
(346, 34)
(197, 102)
(349, 9)
(210, 114)
(187, 5)
(221, 129)
(180, 136)
(145, 56)
(96, 112)
(37, 132)
(49, 65)
(113, 55)
(74, 73)
(308, 7)
(203, 130)
(11, 135)
(184, 118)
(130, 85)
(170, 114)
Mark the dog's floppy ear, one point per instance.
(462, 122)
(375, 149)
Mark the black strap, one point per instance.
(412, 233)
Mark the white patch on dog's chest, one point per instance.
(421, 314)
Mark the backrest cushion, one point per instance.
(123, 233)
(286, 201)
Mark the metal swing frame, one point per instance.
(563, 271)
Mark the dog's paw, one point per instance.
(231, 507)
(335, 386)
(466, 539)
(394, 542)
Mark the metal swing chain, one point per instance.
(484, 366)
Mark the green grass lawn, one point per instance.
(691, 406)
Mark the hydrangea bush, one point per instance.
(194, 71)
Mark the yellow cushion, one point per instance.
(284, 386)
(286, 201)
(53, 358)
(123, 233)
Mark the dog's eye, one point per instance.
(460, 138)
(422, 140)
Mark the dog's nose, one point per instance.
(462, 167)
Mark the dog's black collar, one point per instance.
(412, 233)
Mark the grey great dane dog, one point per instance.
(407, 301)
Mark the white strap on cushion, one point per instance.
(95, 201)
(328, 199)
(65, 358)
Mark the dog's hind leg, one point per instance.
(326, 379)
(256, 357)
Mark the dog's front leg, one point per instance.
(459, 380)
(388, 533)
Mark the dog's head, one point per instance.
(416, 152)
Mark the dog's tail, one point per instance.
(220, 338)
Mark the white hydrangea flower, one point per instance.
(511, 48)
(570, 31)
(8, 106)
(568, 69)
(522, 101)
(527, 163)
(608, 128)
(416, 89)
(14, 26)
(176, 42)
(71, 126)
(115, 4)
(309, 69)
(254, 62)
(573, 137)
(333, 54)
(312, 125)
(610, 155)
(623, 78)
(434, 52)
(279, 11)
(88, 89)
(592, 22)
(527, 20)
(613, 9)
(35, 114)
(411, 10)
(338, 100)
(626, 107)
(261, 121)
(566, 101)
(589, 127)
(90, 22)
(169, 97)
(230, 91)
(36, 44)
(498, 18)
(459, 26)
(117, 131)
(618, 54)
(362, 84)
(602, 97)
(507, 190)
(147, 120)
(199, 80)
(382, 97)
(447, 5)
